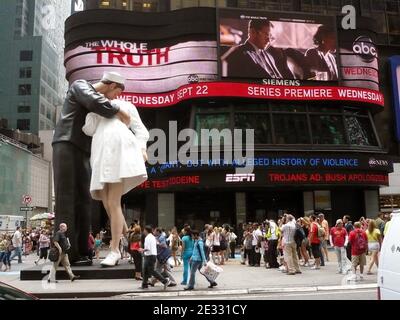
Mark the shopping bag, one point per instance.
(211, 271)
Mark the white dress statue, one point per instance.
(117, 160)
(117, 152)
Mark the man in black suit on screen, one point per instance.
(256, 58)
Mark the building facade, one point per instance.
(22, 174)
(318, 138)
(33, 76)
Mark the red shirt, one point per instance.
(313, 236)
(352, 239)
(338, 236)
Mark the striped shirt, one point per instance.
(288, 231)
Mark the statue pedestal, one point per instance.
(123, 270)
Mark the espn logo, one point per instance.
(240, 177)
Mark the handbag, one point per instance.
(211, 271)
(54, 254)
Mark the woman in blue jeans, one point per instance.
(187, 250)
(197, 260)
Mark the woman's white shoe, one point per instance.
(111, 259)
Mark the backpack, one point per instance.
(360, 244)
(321, 232)
(222, 242)
(299, 235)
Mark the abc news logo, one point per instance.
(365, 48)
(375, 163)
(240, 177)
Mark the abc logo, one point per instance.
(365, 48)
(193, 78)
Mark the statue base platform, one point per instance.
(123, 270)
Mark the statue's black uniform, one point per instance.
(71, 163)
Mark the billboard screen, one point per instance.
(359, 59)
(149, 66)
(395, 74)
(265, 45)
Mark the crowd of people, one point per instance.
(287, 244)
(22, 243)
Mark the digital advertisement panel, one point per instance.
(359, 59)
(265, 45)
(148, 67)
(395, 74)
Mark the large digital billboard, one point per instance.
(359, 59)
(147, 66)
(395, 74)
(266, 45)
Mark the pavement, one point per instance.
(236, 279)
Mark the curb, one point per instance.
(248, 291)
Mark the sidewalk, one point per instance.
(235, 279)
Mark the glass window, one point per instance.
(217, 121)
(26, 55)
(24, 109)
(24, 124)
(287, 108)
(25, 72)
(291, 129)
(392, 6)
(260, 122)
(327, 129)
(360, 131)
(394, 23)
(325, 109)
(24, 89)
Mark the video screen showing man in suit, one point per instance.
(277, 47)
(256, 58)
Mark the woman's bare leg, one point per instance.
(117, 220)
(104, 199)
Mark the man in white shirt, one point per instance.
(288, 232)
(17, 244)
(150, 258)
(256, 244)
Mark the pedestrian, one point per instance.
(272, 236)
(3, 247)
(61, 242)
(232, 242)
(187, 251)
(288, 234)
(374, 245)
(216, 245)
(349, 227)
(338, 239)
(7, 244)
(163, 254)
(247, 243)
(315, 242)
(135, 246)
(304, 224)
(97, 246)
(175, 244)
(17, 244)
(359, 246)
(223, 245)
(44, 245)
(197, 260)
(91, 243)
(150, 256)
(256, 244)
(324, 243)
